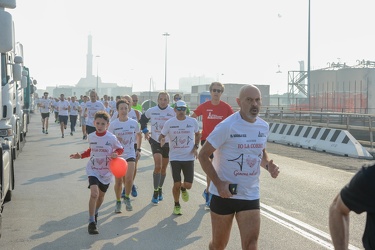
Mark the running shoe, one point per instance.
(177, 210)
(43, 130)
(123, 193)
(92, 228)
(134, 191)
(128, 204)
(205, 195)
(118, 207)
(62, 136)
(160, 194)
(185, 195)
(155, 198)
(46, 132)
(71, 133)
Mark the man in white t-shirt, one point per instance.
(158, 115)
(240, 142)
(183, 134)
(63, 107)
(92, 107)
(45, 105)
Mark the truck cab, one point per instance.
(10, 73)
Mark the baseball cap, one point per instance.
(180, 103)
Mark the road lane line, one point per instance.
(298, 226)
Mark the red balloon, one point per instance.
(118, 167)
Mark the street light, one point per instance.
(97, 75)
(166, 34)
(308, 58)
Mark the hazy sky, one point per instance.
(234, 41)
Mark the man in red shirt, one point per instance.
(212, 112)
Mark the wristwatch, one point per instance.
(139, 150)
(196, 146)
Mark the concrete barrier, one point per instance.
(335, 141)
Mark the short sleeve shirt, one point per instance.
(45, 105)
(212, 115)
(102, 148)
(181, 134)
(126, 134)
(239, 150)
(359, 196)
(157, 118)
(92, 108)
(63, 107)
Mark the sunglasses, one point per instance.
(180, 108)
(177, 98)
(217, 90)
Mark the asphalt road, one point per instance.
(50, 202)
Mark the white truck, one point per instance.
(10, 73)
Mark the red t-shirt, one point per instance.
(212, 115)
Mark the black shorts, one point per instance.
(63, 119)
(94, 181)
(45, 115)
(187, 168)
(131, 159)
(225, 206)
(156, 149)
(212, 155)
(90, 129)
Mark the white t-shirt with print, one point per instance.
(157, 118)
(45, 105)
(239, 150)
(102, 148)
(181, 135)
(74, 108)
(126, 134)
(63, 107)
(91, 109)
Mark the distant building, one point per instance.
(185, 83)
(90, 82)
(230, 94)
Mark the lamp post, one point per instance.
(308, 59)
(166, 34)
(97, 75)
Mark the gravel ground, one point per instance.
(321, 158)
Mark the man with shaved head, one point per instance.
(240, 142)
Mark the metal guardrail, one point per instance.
(359, 125)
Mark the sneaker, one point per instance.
(71, 133)
(134, 191)
(160, 194)
(205, 195)
(155, 198)
(62, 136)
(92, 228)
(128, 204)
(177, 210)
(118, 207)
(46, 132)
(123, 193)
(185, 195)
(43, 130)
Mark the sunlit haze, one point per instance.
(230, 41)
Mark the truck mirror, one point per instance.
(6, 31)
(23, 82)
(18, 59)
(17, 72)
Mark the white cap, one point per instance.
(180, 103)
